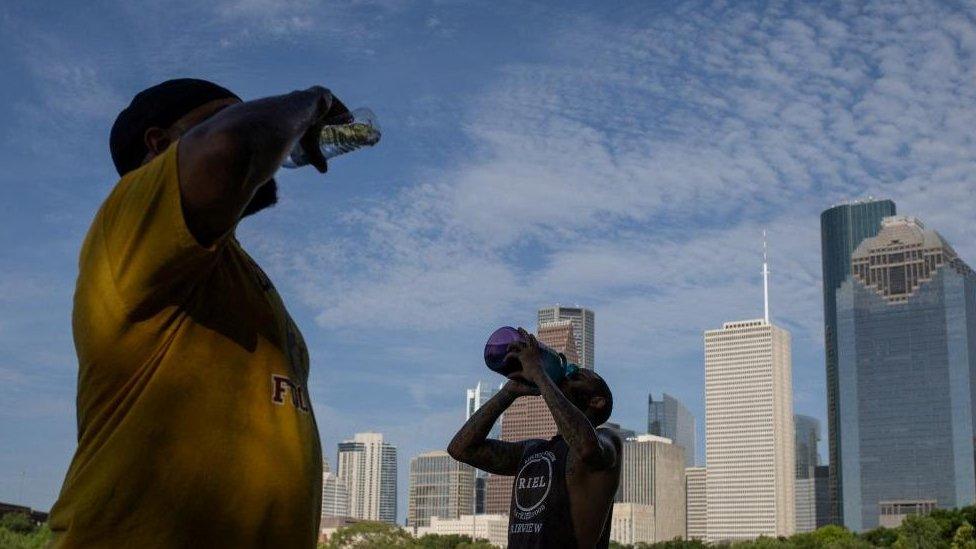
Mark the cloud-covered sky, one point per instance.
(624, 156)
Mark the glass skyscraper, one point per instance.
(807, 437)
(906, 372)
(669, 418)
(842, 228)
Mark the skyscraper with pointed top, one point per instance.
(749, 433)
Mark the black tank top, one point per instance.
(539, 516)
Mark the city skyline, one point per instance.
(643, 198)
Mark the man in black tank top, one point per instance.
(562, 494)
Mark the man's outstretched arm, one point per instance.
(223, 160)
(595, 449)
(471, 444)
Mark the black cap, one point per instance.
(159, 106)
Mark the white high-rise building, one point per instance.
(749, 433)
(476, 398)
(697, 503)
(335, 497)
(368, 469)
(583, 328)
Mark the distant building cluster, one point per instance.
(900, 354)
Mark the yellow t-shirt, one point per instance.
(194, 422)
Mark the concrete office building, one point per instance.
(670, 418)
(842, 228)
(696, 503)
(633, 523)
(749, 433)
(652, 474)
(493, 528)
(440, 486)
(584, 328)
(368, 469)
(906, 357)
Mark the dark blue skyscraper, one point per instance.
(906, 372)
(669, 418)
(842, 228)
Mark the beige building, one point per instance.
(652, 474)
(584, 328)
(696, 503)
(529, 417)
(749, 433)
(440, 486)
(493, 528)
(632, 523)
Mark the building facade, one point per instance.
(906, 358)
(652, 474)
(633, 523)
(696, 504)
(670, 418)
(476, 397)
(749, 431)
(806, 505)
(584, 329)
(821, 490)
(807, 438)
(335, 497)
(440, 486)
(368, 469)
(529, 417)
(842, 228)
(493, 528)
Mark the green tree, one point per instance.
(38, 539)
(920, 532)
(18, 523)
(880, 536)
(830, 535)
(965, 537)
(451, 541)
(370, 535)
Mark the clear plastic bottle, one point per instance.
(362, 131)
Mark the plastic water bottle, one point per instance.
(361, 131)
(497, 350)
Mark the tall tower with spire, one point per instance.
(749, 433)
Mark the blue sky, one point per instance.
(624, 156)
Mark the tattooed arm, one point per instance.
(471, 444)
(595, 448)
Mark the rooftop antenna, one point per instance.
(765, 281)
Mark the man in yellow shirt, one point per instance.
(195, 427)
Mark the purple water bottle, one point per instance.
(497, 349)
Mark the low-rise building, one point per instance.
(493, 528)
